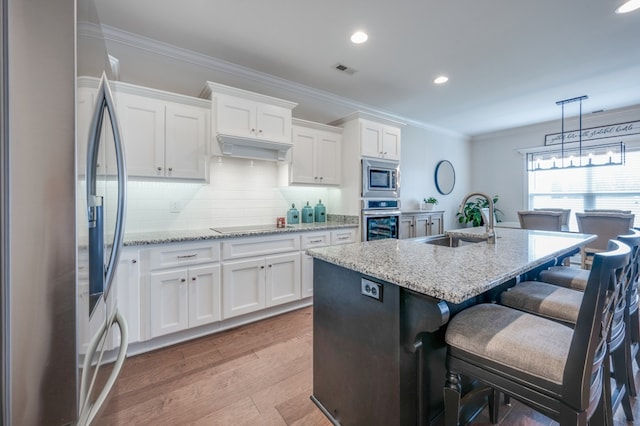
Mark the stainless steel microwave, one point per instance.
(380, 179)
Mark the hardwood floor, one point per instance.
(258, 374)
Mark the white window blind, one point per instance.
(605, 187)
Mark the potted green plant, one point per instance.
(472, 212)
(428, 203)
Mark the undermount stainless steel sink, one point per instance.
(446, 241)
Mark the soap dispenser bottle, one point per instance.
(320, 212)
(293, 216)
(307, 214)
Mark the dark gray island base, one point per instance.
(378, 354)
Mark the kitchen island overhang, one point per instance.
(380, 360)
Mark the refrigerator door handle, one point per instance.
(89, 411)
(105, 101)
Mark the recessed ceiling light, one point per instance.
(441, 79)
(359, 37)
(628, 6)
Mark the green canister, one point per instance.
(320, 212)
(293, 216)
(307, 214)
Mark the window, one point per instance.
(606, 187)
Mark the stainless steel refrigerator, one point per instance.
(46, 222)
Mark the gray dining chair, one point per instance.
(606, 225)
(566, 214)
(541, 220)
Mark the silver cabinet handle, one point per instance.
(347, 237)
(186, 256)
(315, 241)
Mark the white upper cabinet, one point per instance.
(379, 140)
(163, 138)
(247, 124)
(317, 154)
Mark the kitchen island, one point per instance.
(381, 309)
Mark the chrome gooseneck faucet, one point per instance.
(491, 235)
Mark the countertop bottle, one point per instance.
(293, 216)
(307, 214)
(320, 212)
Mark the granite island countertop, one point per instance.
(453, 274)
(163, 237)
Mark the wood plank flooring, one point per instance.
(258, 374)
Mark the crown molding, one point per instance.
(136, 41)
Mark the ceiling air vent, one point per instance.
(345, 69)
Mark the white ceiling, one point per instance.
(508, 61)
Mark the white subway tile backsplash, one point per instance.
(240, 192)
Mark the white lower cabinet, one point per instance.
(257, 283)
(184, 298)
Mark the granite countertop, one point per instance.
(453, 274)
(418, 211)
(162, 237)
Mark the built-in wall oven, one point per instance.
(380, 179)
(380, 219)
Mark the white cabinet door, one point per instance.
(283, 278)
(302, 156)
(204, 295)
(406, 227)
(273, 122)
(243, 287)
(143, 134)
(390, 145)
(328, 158)
(168, 302)
(235, 116)
(370, 139)
(422, 225)
(437, 226)
(307, 276)
(127, 285)
(186, 141)
(379, 140)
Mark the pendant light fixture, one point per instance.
(575, 154)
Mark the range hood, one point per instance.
(261, 149)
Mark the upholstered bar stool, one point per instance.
(563, 304)
(554, 369)
(541, 220)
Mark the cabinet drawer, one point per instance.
(343, 236)
(183, 255)
(246, 247)
(317, 239)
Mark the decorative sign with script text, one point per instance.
(593, 133)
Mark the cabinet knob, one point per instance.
(320, 177)
(260, 131)
(262, 267)
(134, 261)
(170, 169)
(193, 279)
(270, 266)
(253, 130)
(182, 280)
(159, 168)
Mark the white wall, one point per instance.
(499, 169)
(421, 151)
